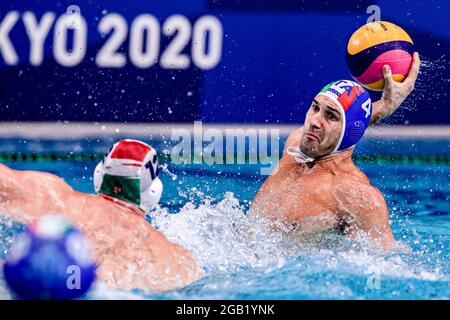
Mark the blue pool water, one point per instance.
(203, 209)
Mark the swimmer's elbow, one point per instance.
(379, 230)
(386, 241)
(380, 237)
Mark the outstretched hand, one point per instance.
(394, 93)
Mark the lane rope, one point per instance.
(59, 156)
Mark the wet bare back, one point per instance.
(130, 253)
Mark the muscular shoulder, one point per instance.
(29, 194)
(116, 231)
(359, 199)
(45, 180)
(362, 207)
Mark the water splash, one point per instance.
(226, 240)
(222, 236)
(243, 258)
(431, 85)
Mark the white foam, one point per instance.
(101, 291)
(222, 236)
(225, 239)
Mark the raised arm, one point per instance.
(25, 195)
(394, 92)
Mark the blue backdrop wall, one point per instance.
(252, 61)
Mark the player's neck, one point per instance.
(131, 207)
(333, 160)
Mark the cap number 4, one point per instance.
(366, 106)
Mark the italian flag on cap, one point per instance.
(130, 150)
(123, 168)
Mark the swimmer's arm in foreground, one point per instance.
(25, 195)
(119, 238)
(363, 208)
(394, 93)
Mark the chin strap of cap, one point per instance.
(151, 196)
(299, 156)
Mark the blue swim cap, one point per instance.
(50, 259)
(356, 109)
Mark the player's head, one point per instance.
(337, 119)
(129, 173)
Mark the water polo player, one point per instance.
(129, 252)
(317, 186)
